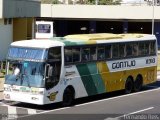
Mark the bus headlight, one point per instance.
(7, 96)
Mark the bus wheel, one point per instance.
(138, 83)
(68, 96)
(128, 85)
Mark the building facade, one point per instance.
(74, 19)
(16, 21)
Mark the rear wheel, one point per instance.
(128, 85)
(68, 97)
(138, 83)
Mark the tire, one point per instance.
(68, 97)
(138, 83)
(128, 85)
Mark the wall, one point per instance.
(20, 8)
(5, 40)
(1, 7)
(19, 29)
(99, 12)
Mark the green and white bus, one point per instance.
(75, 66)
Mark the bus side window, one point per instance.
(129, 49)
(108, 51)
(152, 48)
(54, 54)
(146, 47)
(121, 50)
(135, 49)
(101, 53)
(115, 53)
(141, 48)
(76, 54)
(68, 55)
(86, 54)
(93, 53)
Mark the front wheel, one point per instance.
(68, 97)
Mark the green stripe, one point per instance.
(87, 79)
(96, 77)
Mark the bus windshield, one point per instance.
(25, 73)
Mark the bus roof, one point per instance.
(105, 36)
(83, 39)
(45, 43)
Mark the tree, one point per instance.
(109, 2)
(50, 1)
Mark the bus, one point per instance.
(63, 69)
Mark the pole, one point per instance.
(153, 17)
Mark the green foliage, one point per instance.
(109, 2)
(50, 1)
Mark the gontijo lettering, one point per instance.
(123, 64)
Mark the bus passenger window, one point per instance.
(101, 53)
(135, 49)
(93, 53)
(129, 49)
(141, 48)
(146, 48)
(108, 51)
(152, 48)
(76, 54)
(68, 55)
(115, 50)
(121, 50)
(85, 54)
(55, 54)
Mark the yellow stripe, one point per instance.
(116, 80)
